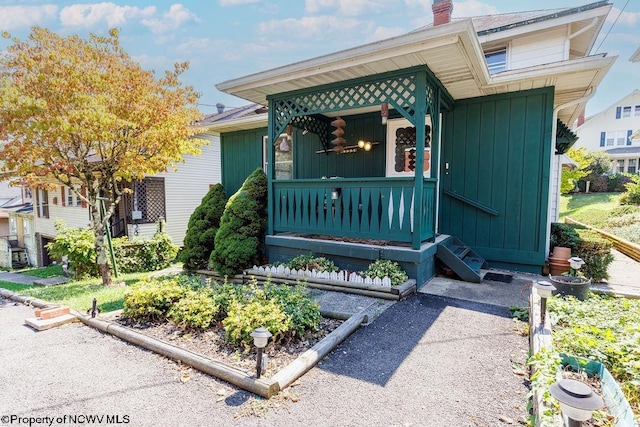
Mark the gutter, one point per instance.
(554, 129)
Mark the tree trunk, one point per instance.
(101, 251)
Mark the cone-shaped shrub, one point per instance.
(202, 228)
(240, 239)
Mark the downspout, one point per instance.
(554, 129)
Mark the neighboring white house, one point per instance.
(172, 196)
(612, 131)
(17, 247)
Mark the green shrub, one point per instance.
(146, 255)
(599, 184)
(630, 232)
(631, 196)
(244, 317)
(617, 182)
(564, 235)
(196, 309)
(586, 244)
(596, 254)
(386, 268)
(303, 313)
(310, 262)
(203, 225)
(78, 246)
(224, 294)
(151, 299)
(239, 242)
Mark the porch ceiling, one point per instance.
(451, 51)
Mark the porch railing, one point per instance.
(371, 208)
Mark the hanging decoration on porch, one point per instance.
(405, 152)
(339, 142)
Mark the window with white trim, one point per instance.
(496, 59)
(637, 111)
(632, 166)
(618, 137)
(626, 111)
(620, 166)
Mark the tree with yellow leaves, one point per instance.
(82, 113)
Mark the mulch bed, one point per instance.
(211, 343)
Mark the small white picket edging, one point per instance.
(340, 276)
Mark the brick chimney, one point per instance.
(442, 11)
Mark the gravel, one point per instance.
(426, 361)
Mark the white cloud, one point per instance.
(421, 4)
(12, 17)
(473, 8)
(345, 7)
(236, 2)
(171, 20)
(626, 18)
(311, 26)
(154, 62)
(97, 14)
(194, 44)
(382, 33)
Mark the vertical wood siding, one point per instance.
(241, 154)
(498, 151)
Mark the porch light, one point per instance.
(577, 400)
(367, 146)
(361, 144)
(545, 290)
(384, 112)
(260, 340)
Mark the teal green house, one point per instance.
(443, 143)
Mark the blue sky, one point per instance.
(225, 39)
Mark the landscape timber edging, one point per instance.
(265, 387)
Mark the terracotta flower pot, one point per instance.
(561, 252)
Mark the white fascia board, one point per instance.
(636, 56)
(419, 40)
(523, 30)
(597, 62)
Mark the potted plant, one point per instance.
(574, 283)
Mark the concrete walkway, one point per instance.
(624, 277)
(20, 278)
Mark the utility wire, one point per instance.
(612, 25)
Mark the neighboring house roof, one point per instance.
(636, 56)
(247, 117)
(623, 150)
(569, 162)
(615, 104)
(453, 52)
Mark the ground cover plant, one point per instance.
(382, 268)
(311, 262)
(601, 328)
(287, 312)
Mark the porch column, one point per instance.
(418, 185)
(271, 125)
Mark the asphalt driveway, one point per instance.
(426, 361)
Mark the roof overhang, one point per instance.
(636, 56)
(241, 123)
(451, 51)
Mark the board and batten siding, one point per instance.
(241, 153)
(539, 48)
(185, 188)
(496, 151)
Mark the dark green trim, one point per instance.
(564, 137)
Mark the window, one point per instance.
(496, 59)
(619, 137)
(637, 112)
(148, 200)
(626, 112)
(13, 226)
(620, 166)
(632, 166)
(42, 203)
(283, 150)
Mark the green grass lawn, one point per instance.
(592, 208)
(44, 272)
(80, 294)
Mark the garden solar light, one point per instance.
(576, 263)
(545, 290)
(577, 400)
(260, 340)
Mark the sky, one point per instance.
(226, 39)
